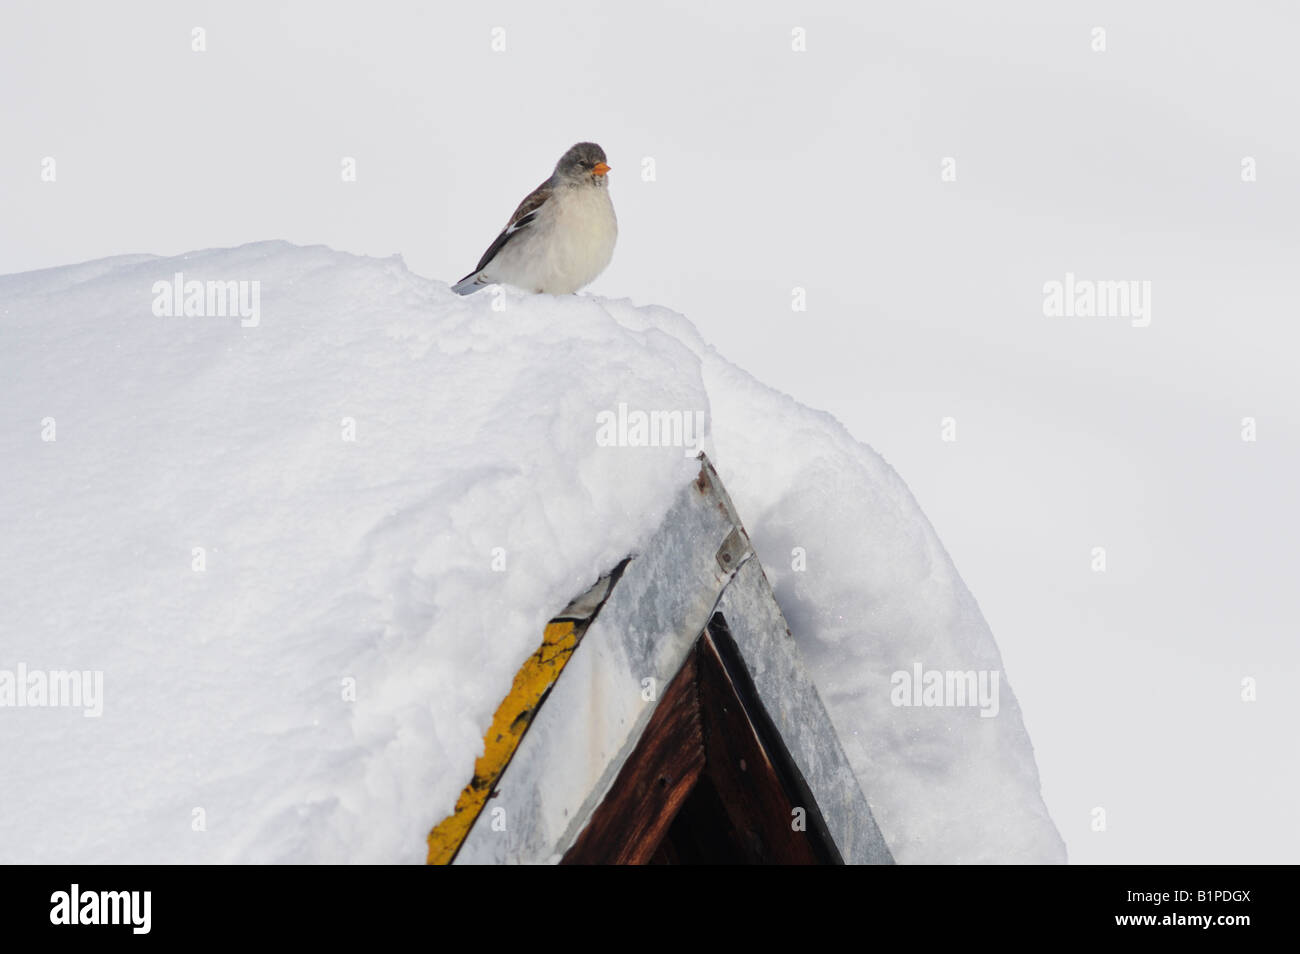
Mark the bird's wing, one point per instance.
(524, 216)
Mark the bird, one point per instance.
(560, 237)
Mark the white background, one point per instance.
(821, 169)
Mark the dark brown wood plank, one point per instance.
(658, 776)
(791, 778)
(740, 769)
(702, 832)
(710, 781)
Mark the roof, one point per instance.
(579, 705)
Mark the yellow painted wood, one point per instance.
(513, 716)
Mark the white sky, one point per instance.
(821, 169)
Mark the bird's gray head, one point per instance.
(583, 164)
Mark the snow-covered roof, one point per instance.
(650, 612)
(308, 545)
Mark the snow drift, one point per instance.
(308, 548)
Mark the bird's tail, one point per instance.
(471, 283)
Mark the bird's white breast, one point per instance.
(568, 246)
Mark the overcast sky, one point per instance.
(824, 169)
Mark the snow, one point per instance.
(317, 689)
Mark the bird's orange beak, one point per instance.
(600, 169)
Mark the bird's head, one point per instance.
(583, 164)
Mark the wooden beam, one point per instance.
(662, 771)
(772, 813)
(710, 780)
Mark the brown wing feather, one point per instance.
(526, 210)
(532, 202)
